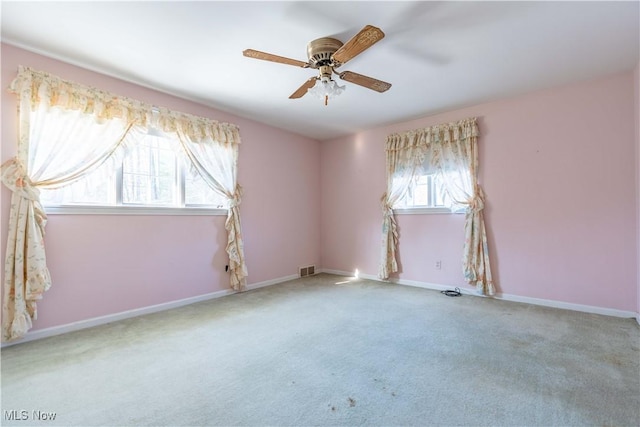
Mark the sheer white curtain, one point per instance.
(456, 160)
(217, 163)
(53, 151)
(67, 130)
(450, 151)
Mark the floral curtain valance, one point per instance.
(37, 88)
(447, 132)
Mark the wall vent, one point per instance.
(307, 271)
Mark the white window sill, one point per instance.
(424, 211)
(131, 210)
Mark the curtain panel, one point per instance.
(404, 160)
(450, 151)
(217, 164)
(57, 119)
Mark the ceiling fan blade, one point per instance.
(302, 90)
(250, 53)
(368, 82)
(366, 38)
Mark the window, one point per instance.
(151, 178)
(427, 193)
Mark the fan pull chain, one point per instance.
(326, 100)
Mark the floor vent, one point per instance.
(307, 271)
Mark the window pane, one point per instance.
(149, 173)
(162, 190)
(145, 189)
(421, 195)
(440, 198)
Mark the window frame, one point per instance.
(133, 210)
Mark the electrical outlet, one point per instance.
(438, 265)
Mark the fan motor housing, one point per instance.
(319, 52)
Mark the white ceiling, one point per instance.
(438, 55)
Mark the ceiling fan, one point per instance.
(326, 54)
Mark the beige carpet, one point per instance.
(330, 351)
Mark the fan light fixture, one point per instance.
(326, 54)
(326, 88)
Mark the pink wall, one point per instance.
(558, 170)
(636, 92)
(103, 264)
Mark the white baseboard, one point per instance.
(569, 306)
(507, 297)
(96, 321)
(102, 320)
